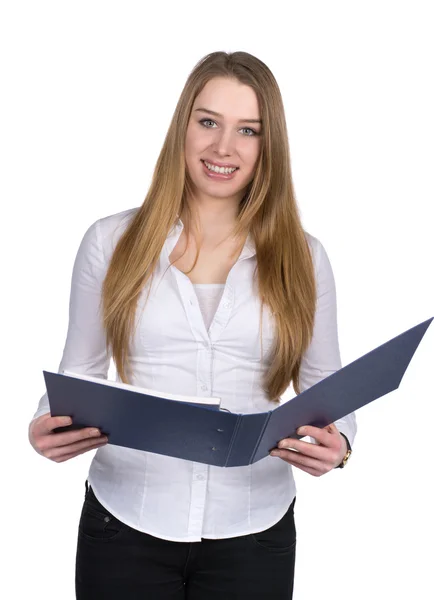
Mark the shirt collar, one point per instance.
(248, 250)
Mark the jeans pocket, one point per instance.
(280, 537)
(96, 522)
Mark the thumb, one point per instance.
(46, 423)
(332, 428)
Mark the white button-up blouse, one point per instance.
(174, 351)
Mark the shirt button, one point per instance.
(200, 477)
(203, 387)
(227, 304)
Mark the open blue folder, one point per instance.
(215, 437)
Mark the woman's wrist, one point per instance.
(346, 451)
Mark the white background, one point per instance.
(88, 90)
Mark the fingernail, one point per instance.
(94, 432)
(67, 420)
(300, 430)
(274, 453)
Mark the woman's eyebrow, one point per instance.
(216, 114)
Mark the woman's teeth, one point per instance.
(223, 170)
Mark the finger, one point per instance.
(46, 423)
(312, 472)
(65, 457)
(323, 436)
(306, 448)
(55, 440)
(71, 437)
(305, 463)
(78, 447)
(332, 428)
(323, 464)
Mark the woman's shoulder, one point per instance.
(319, 254)
(110, 228)
(315, 246)
(101, 237)
(112, 224)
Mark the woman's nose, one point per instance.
(224, 144)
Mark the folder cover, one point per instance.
(207, 435)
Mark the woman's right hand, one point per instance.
(62, 446)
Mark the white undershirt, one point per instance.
(209, 296)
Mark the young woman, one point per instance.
(210, 288)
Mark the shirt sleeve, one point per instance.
(322, 357)
(85, 349)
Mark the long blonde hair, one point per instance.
(268, 210)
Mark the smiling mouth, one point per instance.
(220, 170)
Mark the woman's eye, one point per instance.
(206, 122)
(251, 131)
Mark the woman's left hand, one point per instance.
(315, 459)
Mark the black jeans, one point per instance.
(116, 562)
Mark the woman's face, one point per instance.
(223, 139)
